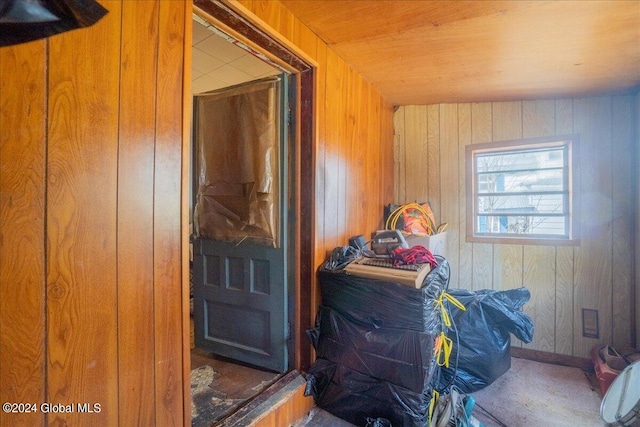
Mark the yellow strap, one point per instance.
(432, 404)
(445, 313)
(445, 351)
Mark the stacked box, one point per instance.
(375, 344)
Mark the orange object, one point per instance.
(604, 373)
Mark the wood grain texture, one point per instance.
(622, 226)
(322, 171)
(399, 155)
(136, 150)
(81, 221)
(465, 264)
(538, 120)
(636, 219)
(482, 258)
(426, 52)
(539, 277)
(593, 258)
(351, 118)
(384, 115)
(80, 140)
(334, 171)
(287, 412)
(166, 216)
(22, 229)
(433, 195)
(449, 187)
(564, 306)
(563, 279)
(416, 154)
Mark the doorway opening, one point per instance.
(221, 60)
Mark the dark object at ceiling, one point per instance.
(26, 20)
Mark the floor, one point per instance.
(224, 386)
(529, 394)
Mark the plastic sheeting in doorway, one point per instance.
(237, 138)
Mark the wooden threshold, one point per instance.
(281, 404)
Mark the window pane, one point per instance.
(522, 190)
(514, 160)
(522, 204)
(531, 226)
(528, 181)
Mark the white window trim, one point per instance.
(573, 188)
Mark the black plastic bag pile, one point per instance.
(374, 342)
(481, 336)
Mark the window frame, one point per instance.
(573, 186)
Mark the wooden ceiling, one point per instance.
(425, 52)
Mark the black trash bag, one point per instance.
(356, 398)
(25, 20)
(378, 422)
(401, 357)
(386, 304)
(481, 336)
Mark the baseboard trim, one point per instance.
(552, 358)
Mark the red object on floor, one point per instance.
(604, 374)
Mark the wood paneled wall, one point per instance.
(598, 274)
(636, 116)
(91, 131)
(92, 168)
(354, 139)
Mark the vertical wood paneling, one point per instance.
(622, 262)
(350, 189)
(482, 259)
(399, 155)
(136, 344)
(90, 182)
(564, 307)
(564, 279)
(465, 267)
(81, 221)
(166, 216)
(333, 171)
(433, 195)
(416, 153)
(384, 161)
(636, 219)
(538, 120)
(352, 164)
(507, 262)
(593, 258)
(449, 188)
(539, 271)
(22, 228)
(322, 171)
(564, 255)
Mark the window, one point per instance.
(522, 191)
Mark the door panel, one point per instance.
(240, 269)
(240, 302)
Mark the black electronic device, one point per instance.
(385, 241)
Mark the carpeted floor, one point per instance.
(530, 394)
(539, 394)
